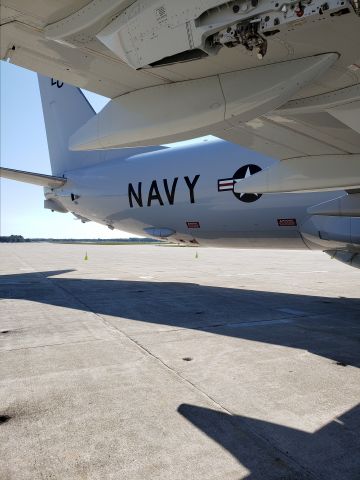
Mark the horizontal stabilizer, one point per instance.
(305, 174)
(34, 178)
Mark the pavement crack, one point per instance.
(275, 451)
(50, 345)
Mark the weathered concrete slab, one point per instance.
(146, 362)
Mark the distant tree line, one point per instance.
(14, 239)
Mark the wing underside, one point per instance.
(83, 43)
(62, 39)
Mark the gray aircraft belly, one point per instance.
(185, 193)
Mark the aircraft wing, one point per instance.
(90, 65)
(318, 151)
(288, 133)
(280, 78)
(113, 47)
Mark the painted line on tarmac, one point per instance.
(269, 273)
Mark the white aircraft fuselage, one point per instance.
(185, 193)
(191, 192)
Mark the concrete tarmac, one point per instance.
(145, 362)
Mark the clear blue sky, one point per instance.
(24, 147)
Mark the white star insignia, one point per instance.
(247, 174)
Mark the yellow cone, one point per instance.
(86, 256)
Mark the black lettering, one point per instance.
(170, 194)
(191, 186)
(57, 83)
(137, 197)
(154, 196)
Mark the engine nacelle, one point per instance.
(332, 233)
(152, 33)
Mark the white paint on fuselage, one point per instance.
(224, 219)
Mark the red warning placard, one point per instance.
(193, 224)
(287, 222)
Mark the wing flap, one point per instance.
(288, 136)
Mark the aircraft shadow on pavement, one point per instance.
(329, 452)
(328, 327)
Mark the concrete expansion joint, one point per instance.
(76, 299)
(142, 348)
(145, 351)
(265, 392)
(51, 345)
(274, 451)
(86, 307)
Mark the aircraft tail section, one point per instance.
(65, 110)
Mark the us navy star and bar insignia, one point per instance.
(225, 184)
(228, 184)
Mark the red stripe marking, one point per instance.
(226, 184)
